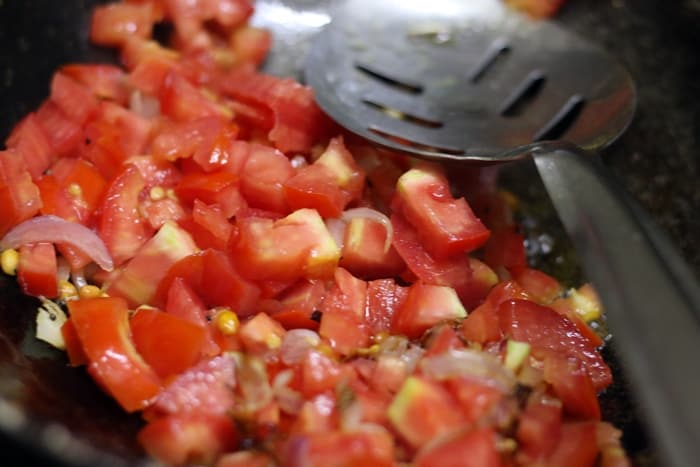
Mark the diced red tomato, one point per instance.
(212, 276)
(37, 270)
(264, 174)
(75, 100)
(447, 226)
(536, 8)
(539, 429)
(539, 285)
(32, 144)
(245, 459)
(251, 44)
(19, 197)
(298, 122)
(506, 250)
(364, 252)
(548, 331)
(424, 307)
(261, 333)
(572, 384)
(427, 401)
(121, 226)
(64, 134)
(102, 325)
(453, 272)
(384, 297)
(168, 343)
(468, 449)
(295, 246)
(104, 81)
(206, 388)
(74, 348)
(577, 445)
(189, 438)
(115, 23)
(368, 447)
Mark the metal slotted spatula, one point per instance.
(470, 81)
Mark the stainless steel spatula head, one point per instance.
(464, 80)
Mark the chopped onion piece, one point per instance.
(336, 228)
(289, 400)
(479, 366)
(49, 321)
(401, 348)
(296, 343)
(374, 215)
(144, 105)
(53, 229)
(253, 385)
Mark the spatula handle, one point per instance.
(651, 296)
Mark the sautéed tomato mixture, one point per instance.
(267, 291)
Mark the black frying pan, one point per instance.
(53, 414)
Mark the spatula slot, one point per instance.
(562, 120)
(524, 94)
(414, 145)
(498, 50)
(401, 85)
(400, 115)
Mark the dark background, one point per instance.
(657, 160)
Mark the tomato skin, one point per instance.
(64, 134)
(467, 449)
(31, 142)
(297, 120)
(102, 325)
(453, 272)
(169, 344)
(189, 438)
(547, 331)
(74, 349)
(573, 386)
(384, 297)
(121, 226)
(37, 270)
(19, 197)
(75, 100)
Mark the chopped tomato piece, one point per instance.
(424, 307)
(19, 197)
(102, 325)
(298, 121)
(121, 226)
(32, 144)
(169, 344)
(468, 449)
(369, 447)
(189, 438)
(447, 226)
(36, 271)
(75, 100)
(548, 331)
(115, 23)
